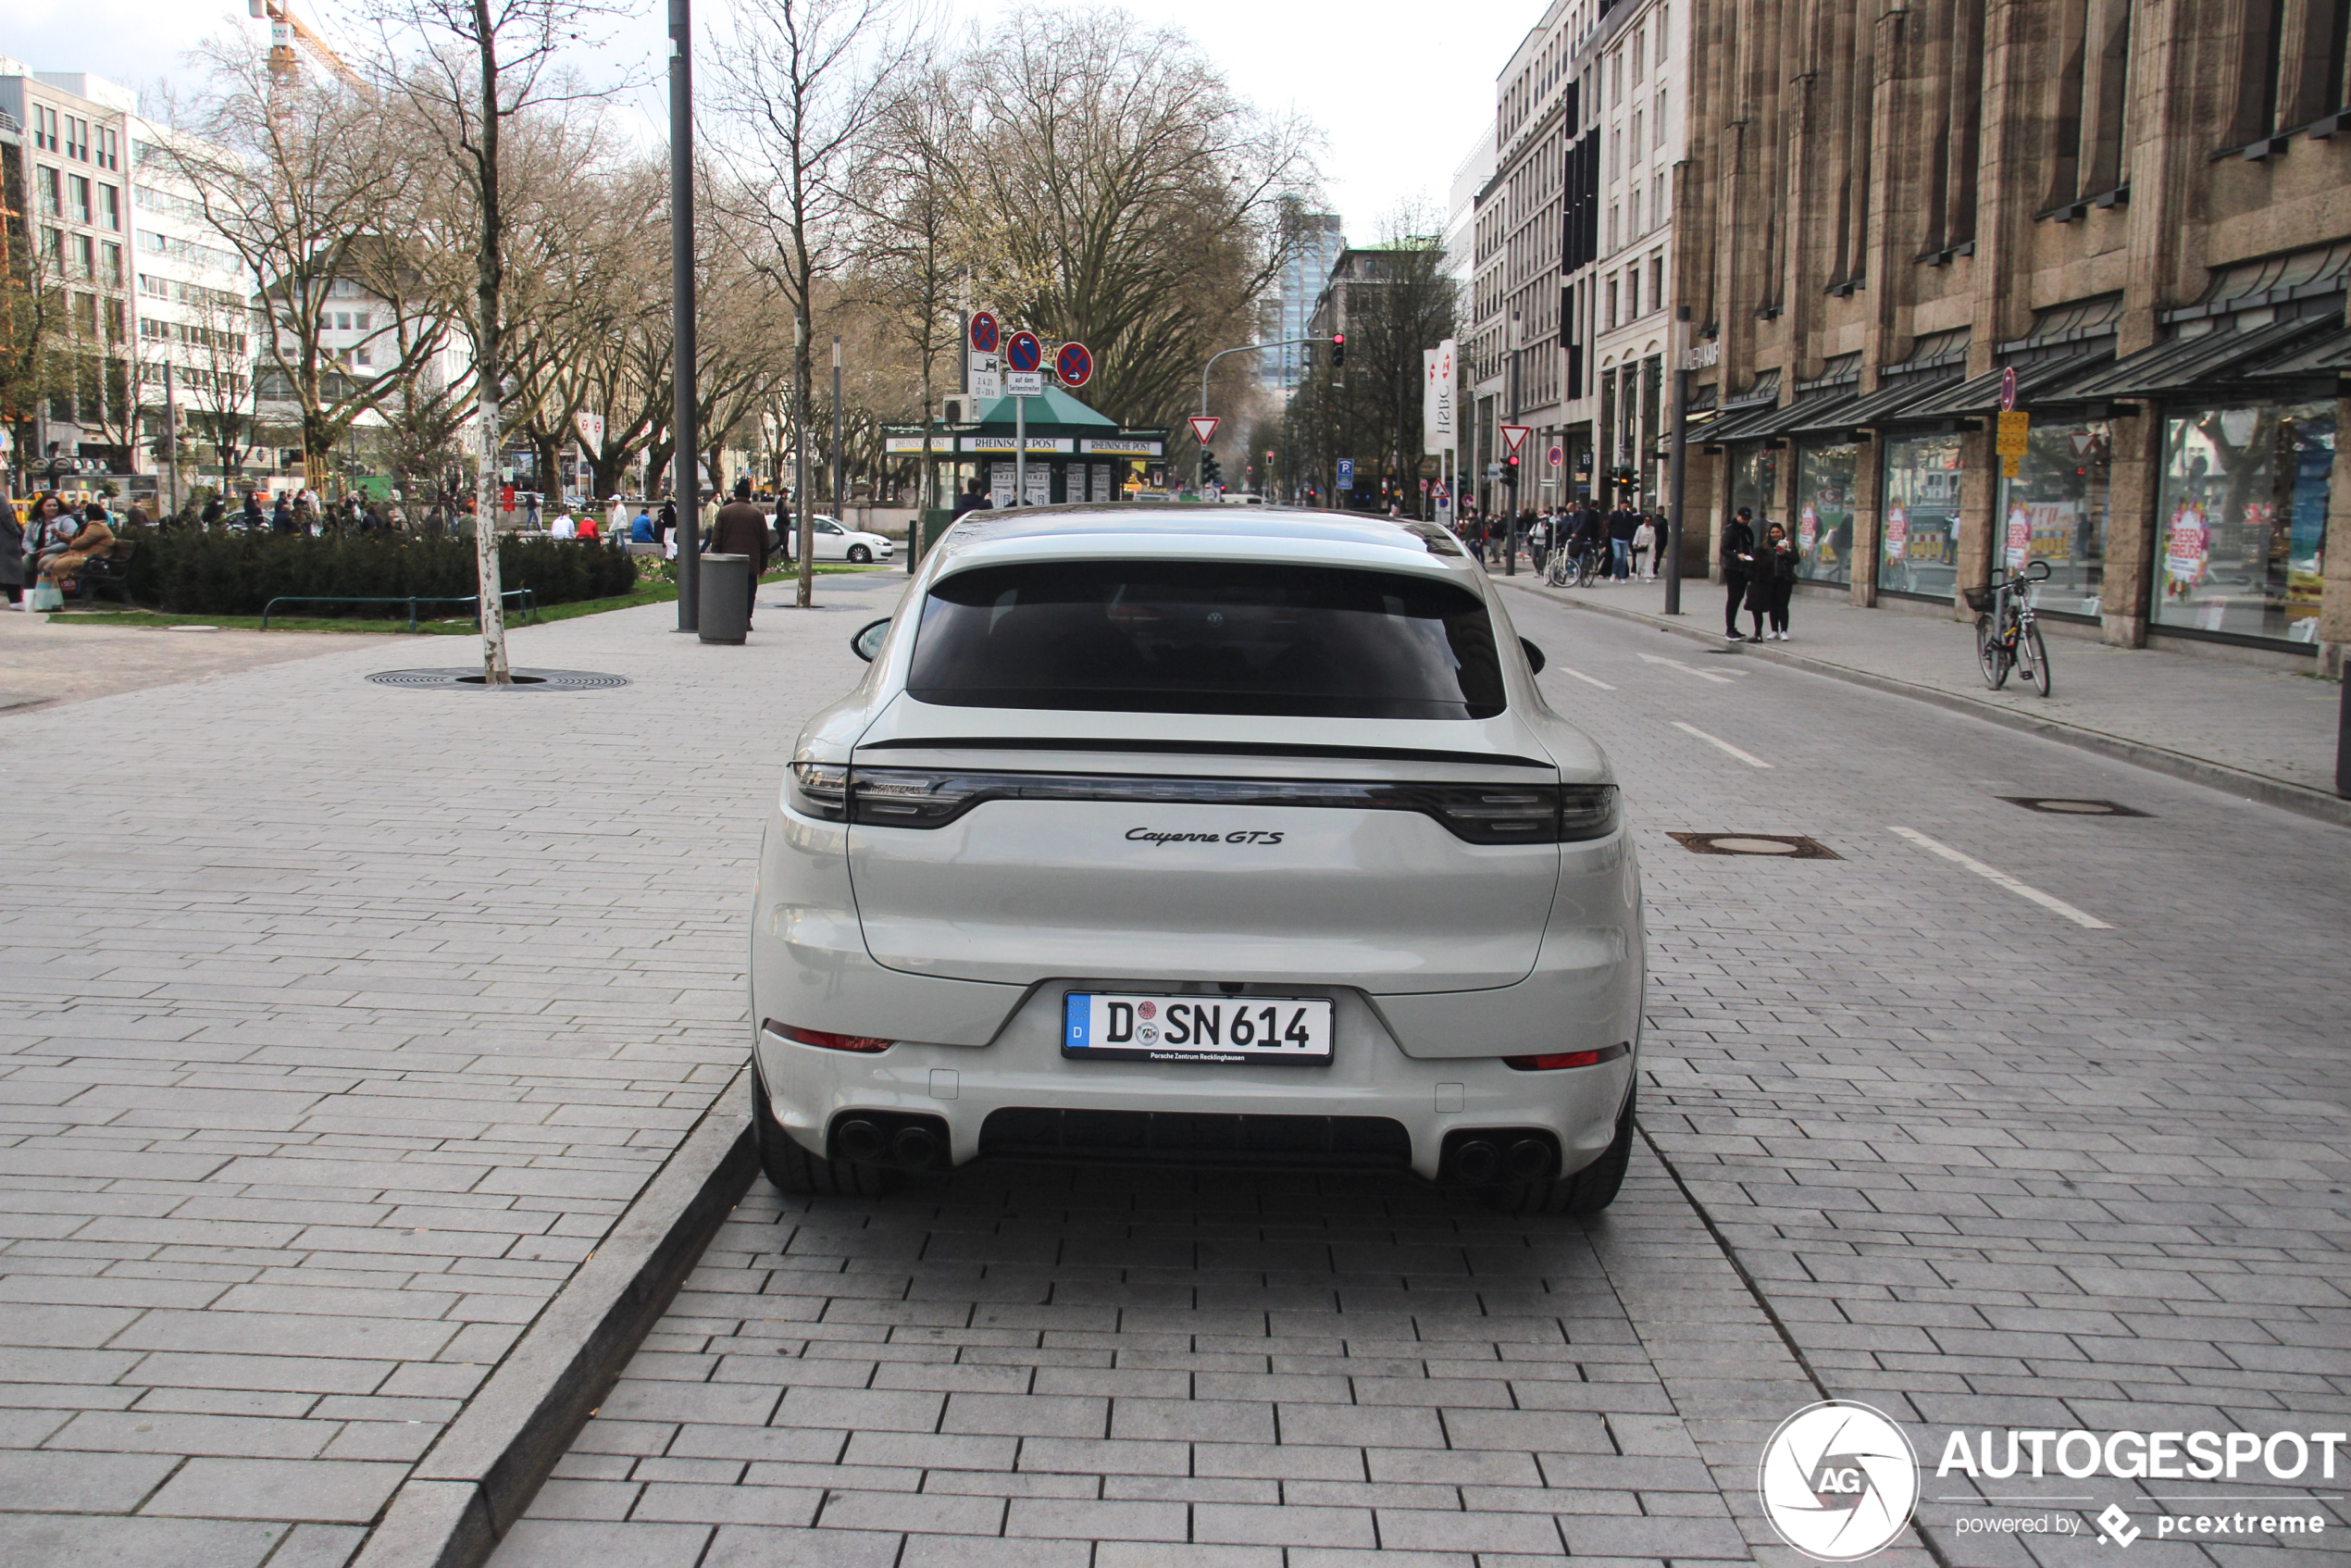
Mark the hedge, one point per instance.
(187, 571)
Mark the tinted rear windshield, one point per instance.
(1206, 638)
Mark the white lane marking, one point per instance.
(1686, 669)
(1749, 758)
(2002, 879)
(1581, 677)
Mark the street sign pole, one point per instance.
(1020, 450)
(1679, 463)
(685, 487)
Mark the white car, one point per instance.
(834, 542)
(1175, 836)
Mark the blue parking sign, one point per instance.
(1346, 473)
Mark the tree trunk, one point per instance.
(494, 670)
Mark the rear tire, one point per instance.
(795, 1171)
(2037, 652)
(1990, 657)
(859, 555)
(1588, 1191)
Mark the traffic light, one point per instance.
(1510, 472)
(1211, 471)
(1338, 349)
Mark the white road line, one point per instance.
(2001, 878)
(1581, 677)
(1746, 757)
(1686, 669)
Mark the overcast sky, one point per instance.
(1398, 104)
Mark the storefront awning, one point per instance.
(2049, 380)
(2330, 356)
(1736, 423)
(2181, 363)
(1892, 400)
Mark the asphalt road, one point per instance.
(1990, 1117)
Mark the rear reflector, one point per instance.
(1566, 1059)
(819, 1037)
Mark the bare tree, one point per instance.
(304, 180)
(802, 83)
(1122, 194)
(485, 65)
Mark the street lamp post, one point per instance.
(1244, 348)
(685, 451)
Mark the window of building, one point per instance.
(44, 128)
(110, 207)
(53, 246)
(1633, 210)
(1635, 151)
(1611, 301)
(77, 198)
(1640, 52)
(1612, 225)
(77, 138)
(153, 287)
(363, 321)
(365, 355)
(2244, 515)
(1658, 123)
(1824, 511)
(1656, 198)
(109, 150)
(1633, 291)
(52, 187)
(112, 255)
(85, 256)
(1616, 77)
(1657, 280)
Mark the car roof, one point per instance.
(1204, 528)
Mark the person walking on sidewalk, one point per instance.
(1644, 543)
(1738, 556)
(740, 528)
(1772, 584)
(1622, 524)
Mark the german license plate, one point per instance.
(1100, 1026)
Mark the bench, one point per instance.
(107, 574)
(529, 601)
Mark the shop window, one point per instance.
(2244, 520)
(1755, 484)
(2059, 497)
(1918, 532)
(1824, 512)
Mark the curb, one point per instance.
(481, 1475)
(2296, 798)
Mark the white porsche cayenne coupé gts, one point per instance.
(1198, 836)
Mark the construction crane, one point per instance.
(285, 30)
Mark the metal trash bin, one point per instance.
(725, 613)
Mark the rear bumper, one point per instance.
(1018, 1097)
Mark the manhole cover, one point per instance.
(2057, 807)
(1787, 846)
(524, 680)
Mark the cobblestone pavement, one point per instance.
(1927, 1144)
(337, 1022)
(44, 659)
(2271, 722)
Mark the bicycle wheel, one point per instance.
(2034, 654)
(1990, 657)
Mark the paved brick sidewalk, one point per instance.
(1011, 1366)
(337, 1022)
(2268, 722)
(51, 659)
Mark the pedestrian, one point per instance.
(587, 524)
(1738, 557)
(640, 530)
(93, 541)
(1622, 524)
(668, 528)
(1538, 537)
(740, 528)
(530, 513)
(12, 554)
(1772, 584)
(563, 527)
(975, 498)
(251, 514)
(214, 511)
(616, 518)
(1644, 542)
(282, 519)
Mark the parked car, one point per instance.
(834, 542)
(1171, 836)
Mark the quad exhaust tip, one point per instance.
(1482, 1156)
(891, 1138)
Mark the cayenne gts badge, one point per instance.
(1238, 836)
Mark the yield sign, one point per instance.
(1514, 437)
(1204, 427)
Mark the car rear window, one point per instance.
(1206, 637)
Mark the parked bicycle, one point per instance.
(1575, 564)
(2007, 634)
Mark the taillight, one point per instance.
(1480, 813)
(821, 790)
(1558, 1059)
(823, 1039)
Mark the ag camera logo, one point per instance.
(1838, 1481)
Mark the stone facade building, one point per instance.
(2142, 208)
